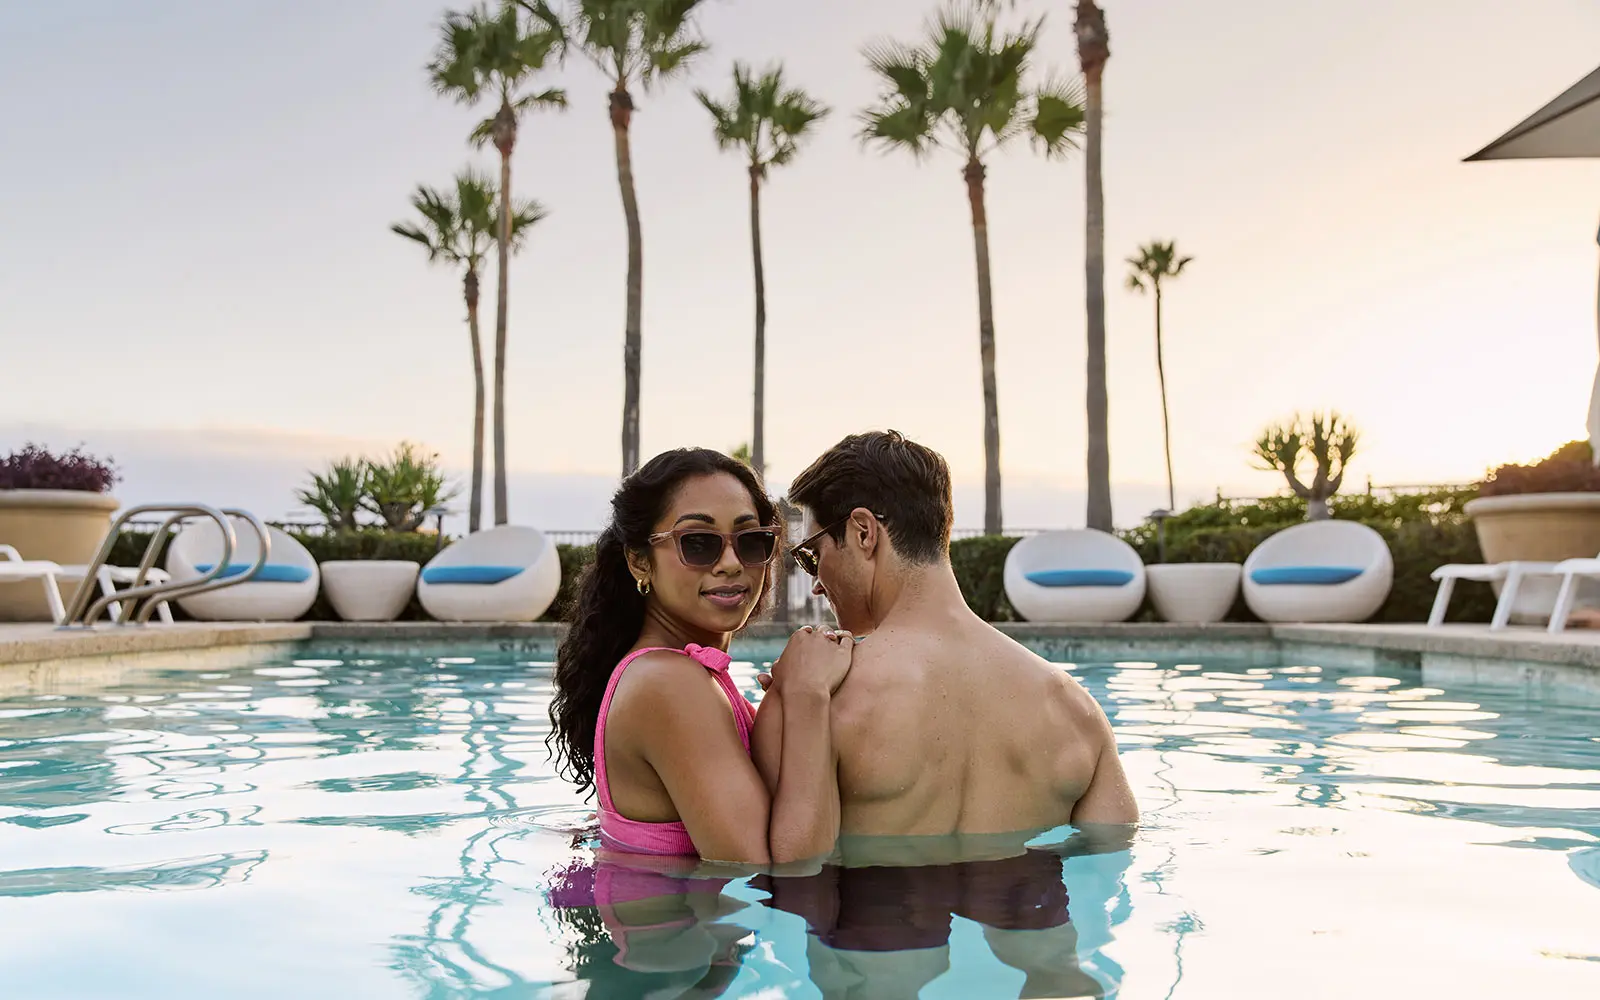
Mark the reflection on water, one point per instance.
(392, 826)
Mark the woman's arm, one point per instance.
(679, 721)
(766, 739)
(805, 783)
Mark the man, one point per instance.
(943, 724)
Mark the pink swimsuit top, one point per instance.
(619, 833)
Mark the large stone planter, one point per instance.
(1539, 527)
(61, 526)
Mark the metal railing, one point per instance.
(86, 609)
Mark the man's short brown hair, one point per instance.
(904, 482)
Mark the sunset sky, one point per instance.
(196, 272)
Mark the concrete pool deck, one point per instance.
(44, 658)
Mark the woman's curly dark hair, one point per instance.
(608, 614)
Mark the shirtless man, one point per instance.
(943, 725)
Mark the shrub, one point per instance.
(1569, 469)
(35, 468)
(336, 494)
(574, 560)
(1423, 532)
(980, 567)
(399, 490)
(1327, 439)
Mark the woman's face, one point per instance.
(717, 598)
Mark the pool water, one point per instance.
(389, 826)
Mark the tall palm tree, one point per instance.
(966, 88)
(1157, 262)
(1094, 49)
(765, 121)
(457, 228)
(632, 42)
(493, 54)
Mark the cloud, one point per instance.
(260, 470)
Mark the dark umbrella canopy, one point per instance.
(1568, 126)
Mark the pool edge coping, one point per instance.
(33, 646)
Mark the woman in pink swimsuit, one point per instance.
(645, 713)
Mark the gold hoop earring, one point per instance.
(643, 586)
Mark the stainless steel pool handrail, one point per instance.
(85, 610)
(210, 581)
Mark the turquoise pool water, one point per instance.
(388, 826)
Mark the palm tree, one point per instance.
(1156, 262)
(1093, 50)
(457, 228)
(965, 88)
(493, 54)
(643, 42)
(766, 121)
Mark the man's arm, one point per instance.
(1108, 798)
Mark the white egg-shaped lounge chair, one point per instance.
(283, 590)
(1074, 576)
(505, 574)
(1321, 571)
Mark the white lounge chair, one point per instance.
(15, 569)
(1508, 574)
(1572, 572)
(1074, 576)
(1320, 571)
(284, 590)
(505, 574)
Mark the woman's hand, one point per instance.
(815, 661)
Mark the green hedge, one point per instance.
(979, 564)
(1423, 531)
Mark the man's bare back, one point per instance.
(948, 726)
(942, 725)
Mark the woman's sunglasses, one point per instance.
(805, 553)
(702, 548)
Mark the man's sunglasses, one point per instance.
(702, 548)
(805, 553)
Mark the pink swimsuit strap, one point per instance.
(620, 833)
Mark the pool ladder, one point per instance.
(140, 601)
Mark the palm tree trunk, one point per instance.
(1166, 423)
(1099, 507)
(475, 510)
(505, 135)
(992, 519)
(621, 119)
(758, 450)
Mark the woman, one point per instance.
(645, 712)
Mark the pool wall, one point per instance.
(44, 658)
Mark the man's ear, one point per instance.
(866, 531)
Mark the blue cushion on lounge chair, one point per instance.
(270, 573)
(1314, 576)
(470, 574)
(1080, 578)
